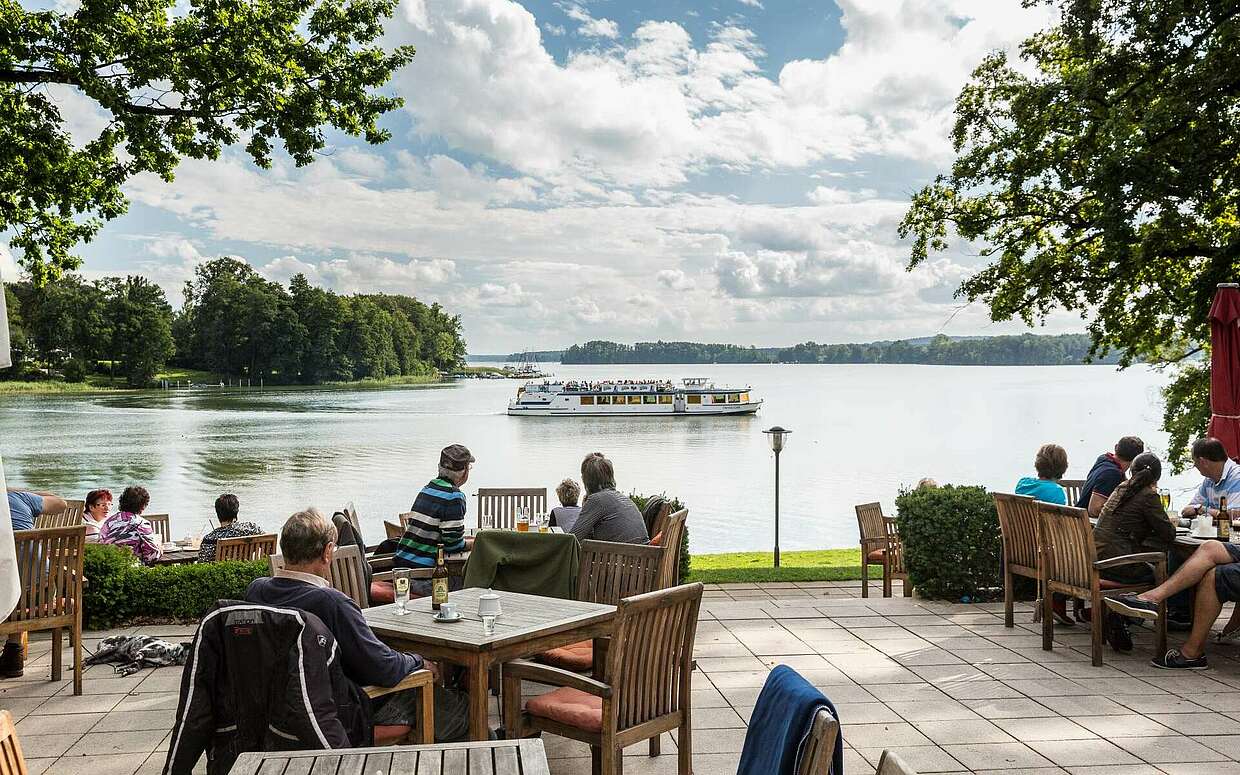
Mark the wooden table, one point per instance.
(492, 757)
(530, 624)
(178, 557)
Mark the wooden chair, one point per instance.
(346, 573)
(873, 527)
(49, 563)
(160, 524)
(891, 764)
(645, 688)
(246, 547)
(1070, 567)
(502, 503)
(70, 517)
(820, 745)
(670, 535)
(1018, 523)
(894, 568)
(393, 530)
(11, 760)
(1071, 488)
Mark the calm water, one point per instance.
(859, 433)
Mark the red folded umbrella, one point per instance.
(1225, 368)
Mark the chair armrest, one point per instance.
(1131, 559)
(554, 676)
(380, 561)
(418, 679)
(414, 573)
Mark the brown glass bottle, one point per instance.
(439, 582)
(1224, 520)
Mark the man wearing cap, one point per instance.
(438, 517)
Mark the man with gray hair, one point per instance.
(438, 520)
(308, 542)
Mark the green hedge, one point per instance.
(952, 545)
(119, 591)
(642, 500)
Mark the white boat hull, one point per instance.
(572, 409)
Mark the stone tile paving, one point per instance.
(947, 686)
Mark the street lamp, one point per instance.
(777, 436)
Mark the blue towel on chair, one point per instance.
(781, 722)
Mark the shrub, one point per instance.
(119, 591)
(952, 545)
(641, 500)
(74, 370)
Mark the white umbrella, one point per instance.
(9, 583)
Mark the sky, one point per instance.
(632, 170)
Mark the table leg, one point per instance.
(479, 697)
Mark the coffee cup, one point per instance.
(488, 604)
(447, 610)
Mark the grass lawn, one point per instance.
(820, 565)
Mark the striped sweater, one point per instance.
(438, 520)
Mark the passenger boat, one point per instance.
(694, 396)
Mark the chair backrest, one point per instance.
(346, 573)
(246, 547)
(11, 760)
(393, 530)
(502, 503)
(673, 531)
(820, 745)
(611, 571)
(159, 522)
(650, 660)
(350, 511)
(891, 764)
(1018, 523)
(1071, 488)
(49, 564)
(70, 517)
(1068, 553)
(895, 547)
(870, 522)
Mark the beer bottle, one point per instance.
(439, 582)
(1224, 520)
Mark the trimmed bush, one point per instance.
(952, 545)
(120, 591)
(641, 501)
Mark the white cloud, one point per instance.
(752, 3)
(590, 26)
(675, 279)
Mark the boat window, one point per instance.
(604, 400)
(695, 399)
(734, 398)
(649, 399)
(719, 398)
(587, 400)
(635, 399)
(744, 398)
(665, 399)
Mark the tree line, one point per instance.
(1022, 350)
(234, 324)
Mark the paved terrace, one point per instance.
(947, 686)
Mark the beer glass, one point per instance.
(400, 579)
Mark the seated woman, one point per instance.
(227, 507)
(606, 515)
(1051, 463)
(128, 528)
(567, 512)
(1132, 521)
(98, 502)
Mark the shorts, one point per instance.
(1227, 577)
(403, 709)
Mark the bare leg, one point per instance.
(1188, 575)
(1205, 612)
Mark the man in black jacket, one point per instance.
(307, 542)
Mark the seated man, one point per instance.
(226, 509)
(438, 520)
(24, 506)
(308, 542)
(1107, 473)
(606, 515)
(1222, 478)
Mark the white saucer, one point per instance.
(444, 619)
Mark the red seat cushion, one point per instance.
(382, 592)
(575, 656)
(658, 539)
(569, 706)
(1108, 584)
(876, 555)
(390, 734)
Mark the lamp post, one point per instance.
(778, 436)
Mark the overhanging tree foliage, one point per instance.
(1102, 178)
(172, 85)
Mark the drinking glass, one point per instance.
(544, 523)
(488, 624)
(1165, 497)
(523, 520)
(488, 521)
(400, 579)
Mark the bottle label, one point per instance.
(439, 590)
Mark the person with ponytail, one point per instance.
(1133, 520)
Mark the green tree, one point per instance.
(1103, 178)
(174, 81)
(141, 327)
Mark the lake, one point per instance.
(860, 432)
